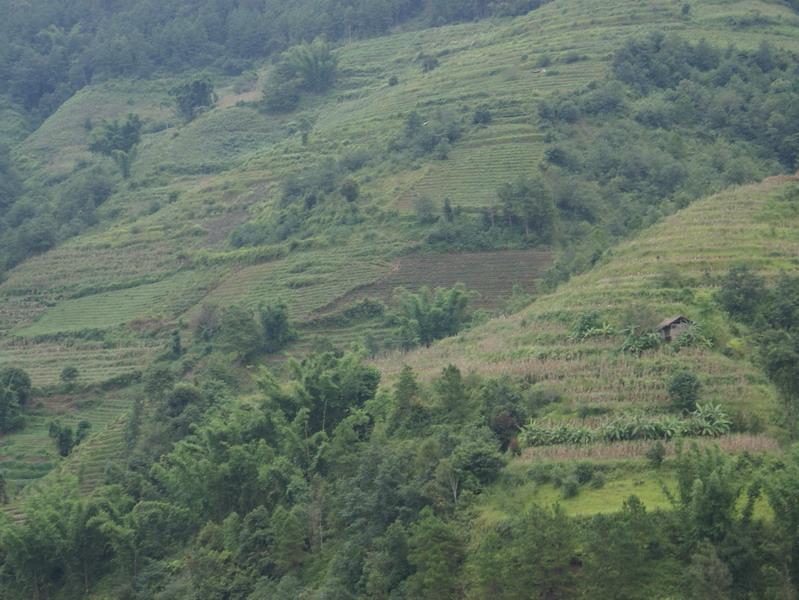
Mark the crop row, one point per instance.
(707, 421)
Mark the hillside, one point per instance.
(672, 268)
(107, 300)
(376, 315)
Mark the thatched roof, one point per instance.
(672, 321)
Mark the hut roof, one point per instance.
(672, 321)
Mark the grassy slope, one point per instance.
(757, 224)
(160, 249)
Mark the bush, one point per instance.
(570, 487)
(482, 116)
(684, 388)
(350, 190)
(656, 454)
(428, 63)
(425, 211)
(193, 96)
(281, 97)
(69, 376)
(741, 292)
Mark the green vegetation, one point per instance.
(270, 492)
(248, 333)
(15, 393)
(118, 141)
(308, 333)
(192, 97)
(431, 315)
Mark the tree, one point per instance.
(532, 555)
(529, 203)
(482, 115)
(64, 437)
(305, 125)
(148, 529)
(35, 550)
(431, 315)
(15, 392)
(10, 183)
(622, 552)
(387, 565)
(290, 538)
(330, 388)
(406, 393)
(741, 292)
(450, 389)
(206, 324)
(82, 432)
(779, 354)
(181, 397)
(684, 388)
(447, 212)
(474, 463)
(69, 376)
(782, 490)
(177, 345)
(239, 332)
(281, 96)
(350, 190)
(436, 551)
(314, 65)
(708, 491)
(276, 330)
(425, 210)
(193, 96)
(118, 141)
(708, 577)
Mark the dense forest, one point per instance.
(259, 459)
(51, 49)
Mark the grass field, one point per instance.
(160, 249)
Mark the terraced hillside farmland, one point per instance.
(670, 269)
(109, 299)
(492, 275)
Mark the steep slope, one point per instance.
(108, 300)
(670, 269)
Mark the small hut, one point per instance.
(673, 327)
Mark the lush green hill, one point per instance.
(107, 300)
(669, 269)
(235, 472)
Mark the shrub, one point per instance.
(281, 97)
(637, 342)
(589, 325)
(684, 388)
(425, 211)
(656, 454)
(482, 116)
(741, 292)
(428, 63)
(570, 487)
(350, 190)
(193, 96)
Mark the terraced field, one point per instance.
(492, 275)
(28, 455)
(699, 244)
(160, 249)
(305, 285)
(97, 361)
(165, 299)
